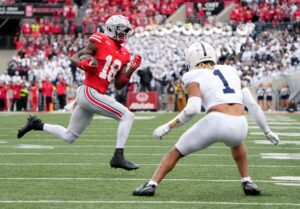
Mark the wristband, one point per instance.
(173, 123)
(125, 79)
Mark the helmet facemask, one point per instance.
(118, 28)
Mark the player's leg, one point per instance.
(239, 154)
(79, 120)
(199, 136)
(166, 165)
(107, 106)
(235, 129)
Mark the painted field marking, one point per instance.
(137, 117)
(33, 146)
(145, 202)
(279, 123)
(279, 133)
(129, 179)
(277, 127)
(281, 156)
(286, 178)
(109, 154)
(143, 164)
(281, 142)
(288, 184)
(5, 146)
(3, 142)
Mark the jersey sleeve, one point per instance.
(190, 77)
(96, 39)
(234, 70)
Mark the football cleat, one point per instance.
(145, 190)
(118, 161)
(250, 188)
(33, 123)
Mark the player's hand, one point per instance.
(161, 131)
(136, 62)
(272, 137)
(86, 65)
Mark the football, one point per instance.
(93, 62)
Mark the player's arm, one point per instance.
(90, 49)
(124, 75)
(258, 115)
(192, 108)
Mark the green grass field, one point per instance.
(60, 175)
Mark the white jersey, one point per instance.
(221, 85)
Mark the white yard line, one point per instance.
(5, 146)
(133, 179)
(143, 164)
(109, 154)
(146, 202)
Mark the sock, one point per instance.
(247, 178)
(123, 130)
(119, 151)
(39, 127)
(152, 183)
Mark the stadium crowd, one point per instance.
(272, 11)
(258, 57)
(43, 57)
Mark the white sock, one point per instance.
(123, 130)
(247, 178)
(152, 183)
(60, 132)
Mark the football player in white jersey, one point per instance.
(218, 89)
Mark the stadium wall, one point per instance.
(6, 56)
(178, 16)
(292, 79)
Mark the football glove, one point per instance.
(272, 137)
(86, 65)
(162, 130)
(136, 62)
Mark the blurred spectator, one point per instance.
(269, 97)
(260, 93)
(292, 107)
(170, 95)
(284, 95)
(61, 88)
(180, 96)
(16, 89)
(47, 93)
(145, 79)
(34, 96)
(3, 95)
(24, 97)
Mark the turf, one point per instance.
(78, 175)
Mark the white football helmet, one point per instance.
(118, 28)
(200, 52)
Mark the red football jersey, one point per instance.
(111, 56)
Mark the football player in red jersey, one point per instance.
(113, 65)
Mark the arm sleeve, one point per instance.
(255, 110)
(192, 108)
(96, 39)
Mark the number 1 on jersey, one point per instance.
(227, 89)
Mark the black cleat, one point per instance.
(145, 190)
(33, 123)
(250, 188)
(118, 161)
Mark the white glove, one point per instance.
(272, 137)
(159, 132)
